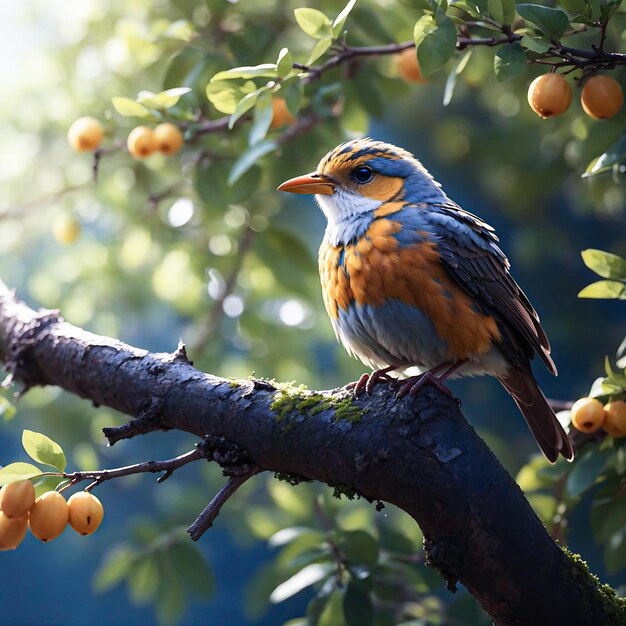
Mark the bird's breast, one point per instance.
(398, 263)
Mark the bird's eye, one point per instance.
(363, 174)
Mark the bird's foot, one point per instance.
(367, 381)
(413, 384)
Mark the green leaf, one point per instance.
(509, 61)
(42, 449)
(286, 535)
(508, 11)
(244, 105)
(7, 410)
(17, 471)
(332, 615)
(313, 23)
(358, 547)
(535, 44)
(594, 8)
(552, 22)
(143, 580)
(284, 64)
(609, 289)
(608, 515)
(615, 552)
(261, 119)
(191, 567)
(170, 599)
(164, 100)
(292, 92)
(577, 7)
(340, 20)
(225, 95)
(530, 478)
(129, 108)
(306, 577)
(587, 469)
(247, 71)
(452, 77)
(357, 605)
(317, 606)
(435, 41)
(319, 49)
(615, 155)
(114, 568)
(502, 11)
(605, 264)
(249, 158)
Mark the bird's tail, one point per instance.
(541, 420)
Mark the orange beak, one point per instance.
(309, 183)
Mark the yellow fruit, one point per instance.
(280, 113)
(65, 229)
(602, 97)
(86, 512)
(18, 498)
(615, 422)
(141, 142)
(168, 138)
(409, 67)
(12, 531)
(49, 517)
(85, 134)
(549, 95)
(587, 415)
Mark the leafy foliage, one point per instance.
(200, 245)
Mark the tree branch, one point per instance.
(207, 517)
(154, 467)
(419, 454)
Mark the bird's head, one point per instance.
(360, 175)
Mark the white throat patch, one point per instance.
(342, 205)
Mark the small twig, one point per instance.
(168, 466)
(464, 42)
(100, 152)
(213, 126)
(603, 26)
(207, 517)
(147, 422)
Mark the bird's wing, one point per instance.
(469, 251)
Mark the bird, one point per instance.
(411, 280)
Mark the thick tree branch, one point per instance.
(419, 454)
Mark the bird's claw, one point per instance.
(368, 381)
(412, 385)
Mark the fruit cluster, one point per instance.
(588, 415)
(550, 95)
(86, 135)
(47, 516)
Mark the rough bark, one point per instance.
(419, 454)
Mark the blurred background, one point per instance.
(157, 250)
